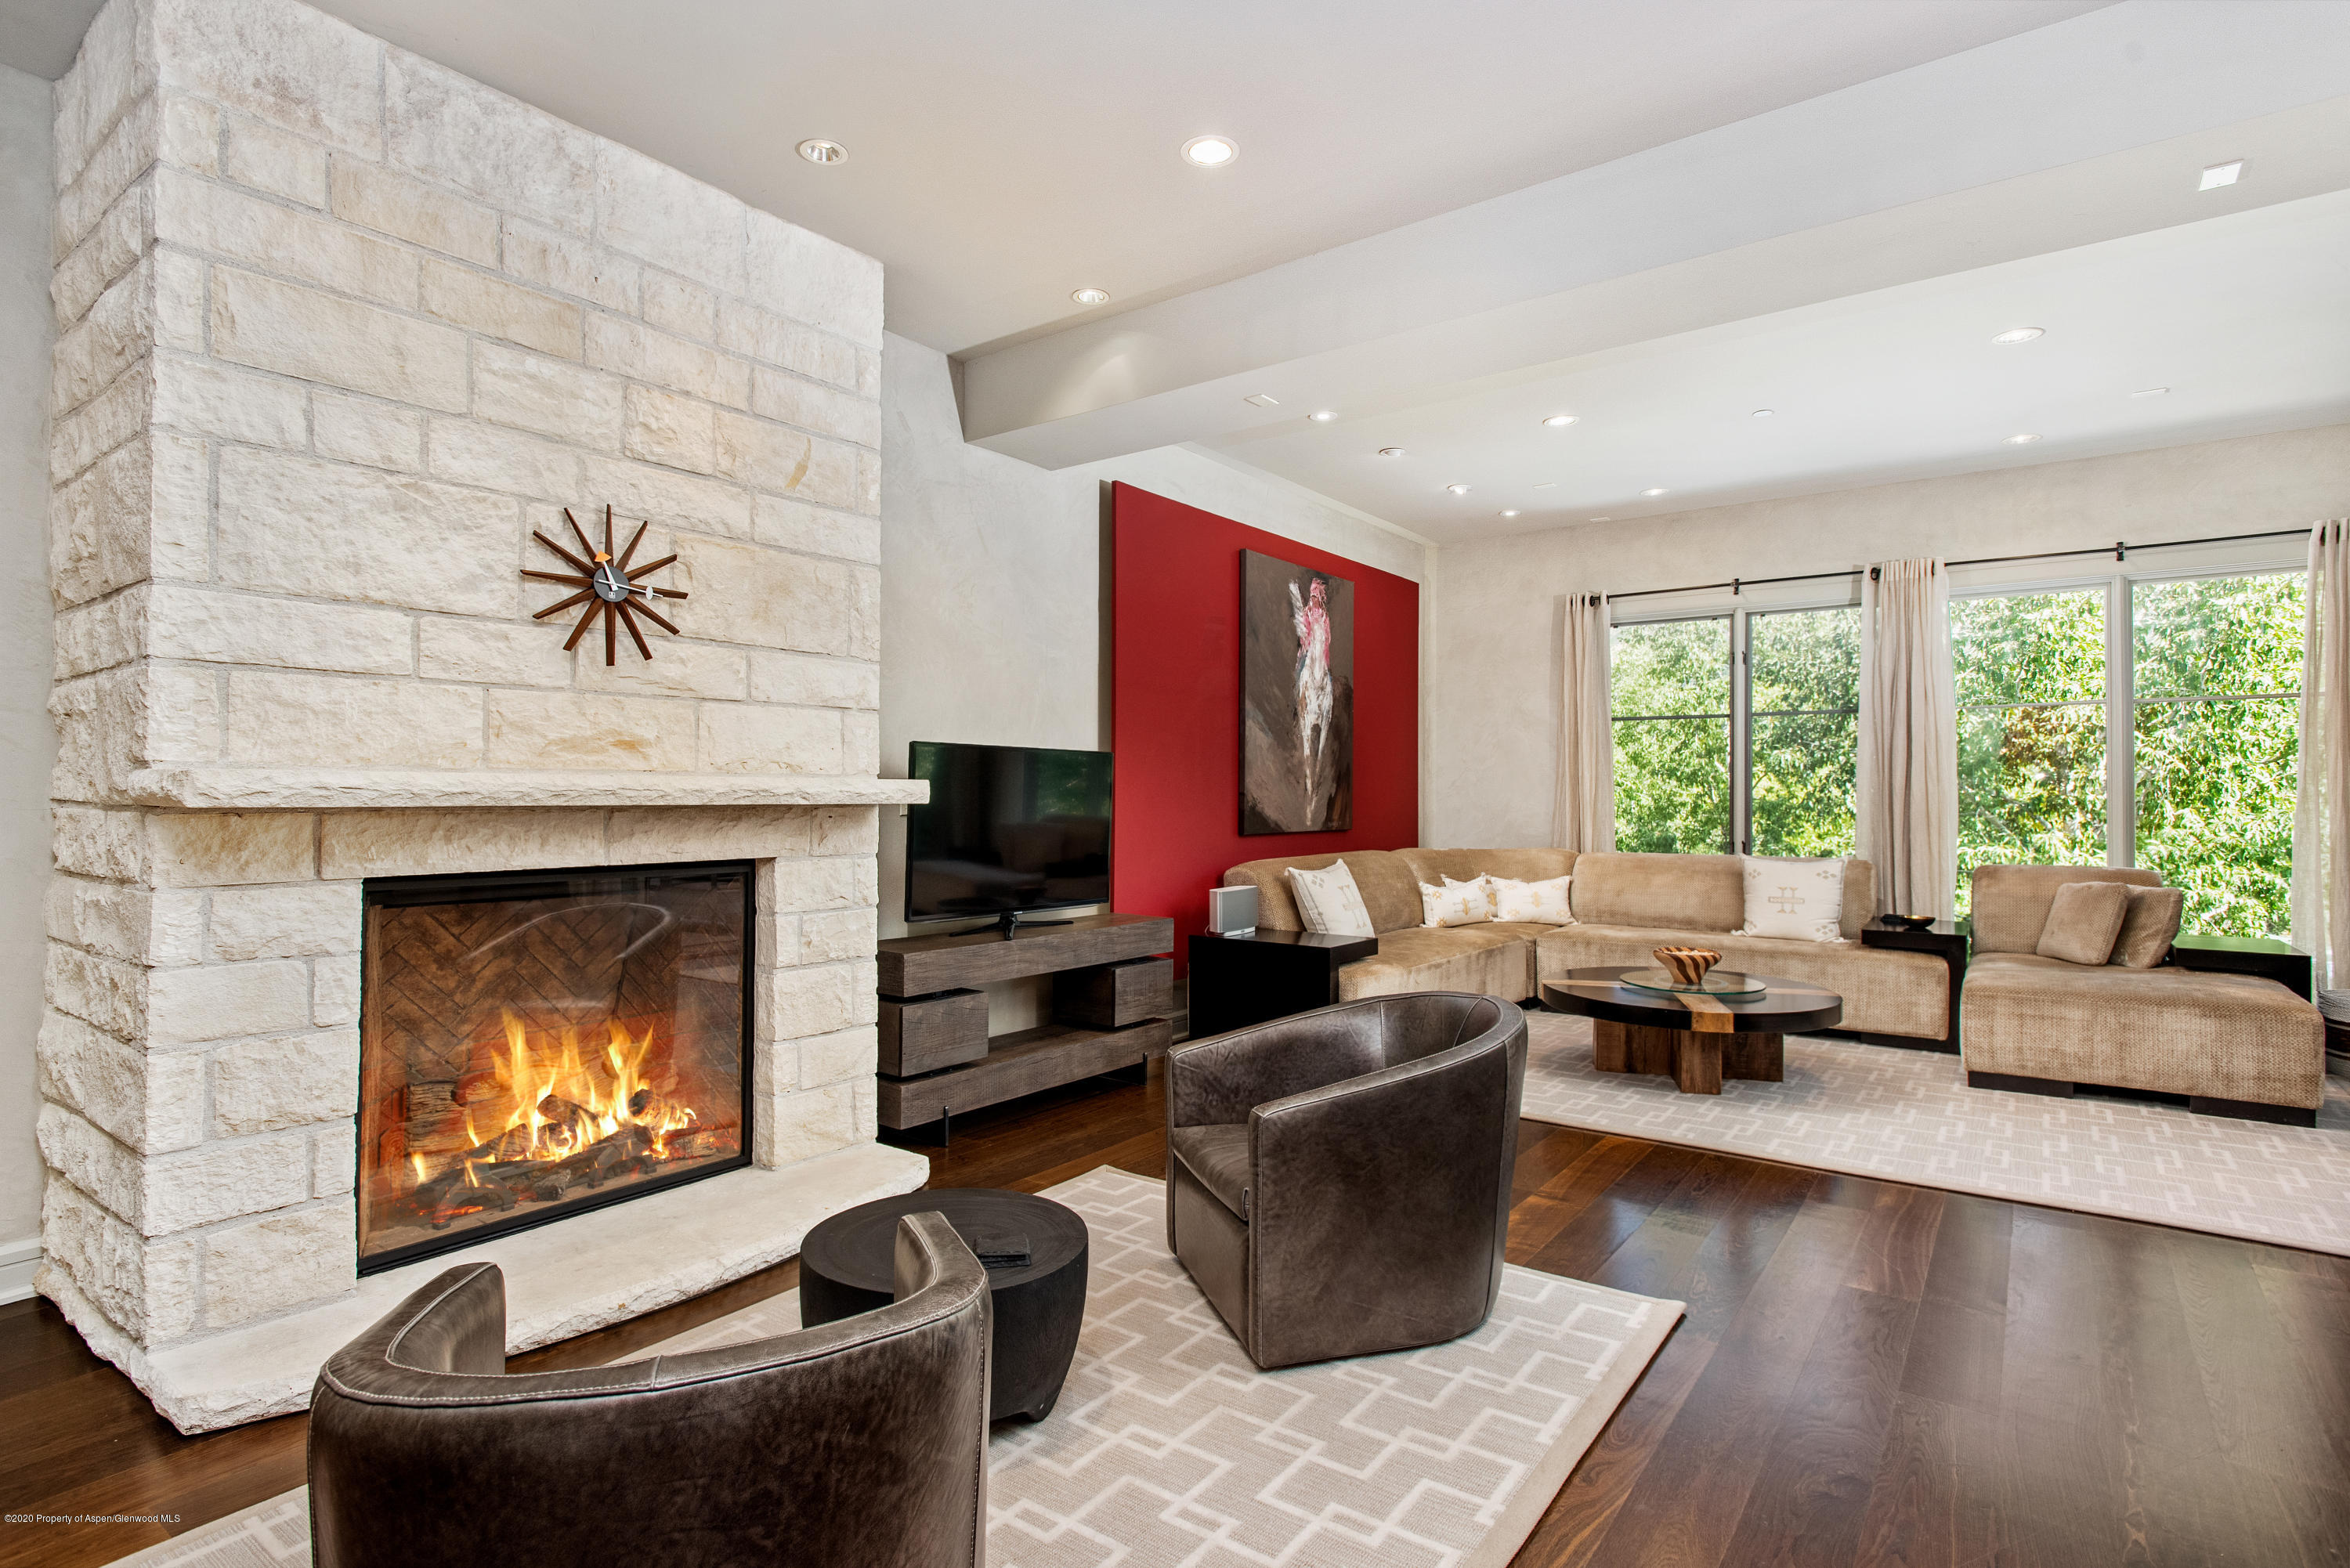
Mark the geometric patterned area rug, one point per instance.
(1908, 1115)
(1169, 1448)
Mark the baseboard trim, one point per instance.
(18, 1263)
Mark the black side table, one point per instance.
(1243, 978)
(848, 1265)
(2263, 956)
(1947, 940)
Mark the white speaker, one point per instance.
(1232, 911)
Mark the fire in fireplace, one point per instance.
(536, 1044)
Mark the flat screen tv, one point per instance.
(1008, 832)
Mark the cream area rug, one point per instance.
(1169, 1449)
(1908, 1115)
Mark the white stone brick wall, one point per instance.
(338, 330)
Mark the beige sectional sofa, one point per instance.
(1626, 905)
(2234, 1044)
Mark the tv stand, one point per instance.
(1113, 1001)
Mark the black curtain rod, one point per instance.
(2119, 550)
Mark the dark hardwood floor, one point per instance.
(1869, 1374)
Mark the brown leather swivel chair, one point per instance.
(861, 1442)
(1338, 1181)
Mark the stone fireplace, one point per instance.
(366, 886)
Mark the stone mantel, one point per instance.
(379, 789)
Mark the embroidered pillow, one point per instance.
(1455, 904)
(1801, 900)
(1329, 902)
(1536, 903)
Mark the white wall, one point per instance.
(993, 607)
(26, 744)
(1491, 710)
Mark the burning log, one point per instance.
(569, 1122)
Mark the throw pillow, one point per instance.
(1329, 902)
(1455, 904)
(1536, 903)
(2083, 922)
(2149, 925)
(1799, 900)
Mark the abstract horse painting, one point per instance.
(1297, 698)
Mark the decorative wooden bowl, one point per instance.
(1687, 965)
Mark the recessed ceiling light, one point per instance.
(1458, 489)
(1547, 484)
(1509, 512)
(1764, 413)
(1558, 419)
(2024, 440)
(1211, 151)
(2220, 175)
(2018, 334)
(1263, 400)
(1090, 295)
(1659, 490)
(1390, 452)
(816, 149)
(2149, 391)
(1603, 520)
(1322, 416)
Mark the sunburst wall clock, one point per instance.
(609, 586)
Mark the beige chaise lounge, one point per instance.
(1626, 905)
(2234, 1044)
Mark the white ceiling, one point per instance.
(1003, 154)
(2246, 318)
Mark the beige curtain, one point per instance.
(1907, 794)
(1583, 816)
(2321, 817)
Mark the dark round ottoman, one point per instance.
(847, 1264)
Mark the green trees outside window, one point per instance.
(2216, 722)
(2172, 746)
(1669, 700)
(2032, 729)
(1804, 680)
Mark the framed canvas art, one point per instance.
(1297, 698)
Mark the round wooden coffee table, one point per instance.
(848, 1265)
(1695, 1040)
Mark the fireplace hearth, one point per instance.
(535, 1044)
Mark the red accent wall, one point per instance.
(1175, 715)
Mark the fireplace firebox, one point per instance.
(533, 1044)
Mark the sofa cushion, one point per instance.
(1670, 892)
(2011, 902)
(1217, 1155)
(2174, 1031)
(1468, 864)
(2150, 927)
(1545, 903)
(1455, 903)
(1391, 891)
(1886, 990)
(2084, 918)
(1493, 959)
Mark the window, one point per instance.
(2032, 729)
(2172, 747)
(1682, 712)
(1803, 685)
(1670, 703)
(2216, 722)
